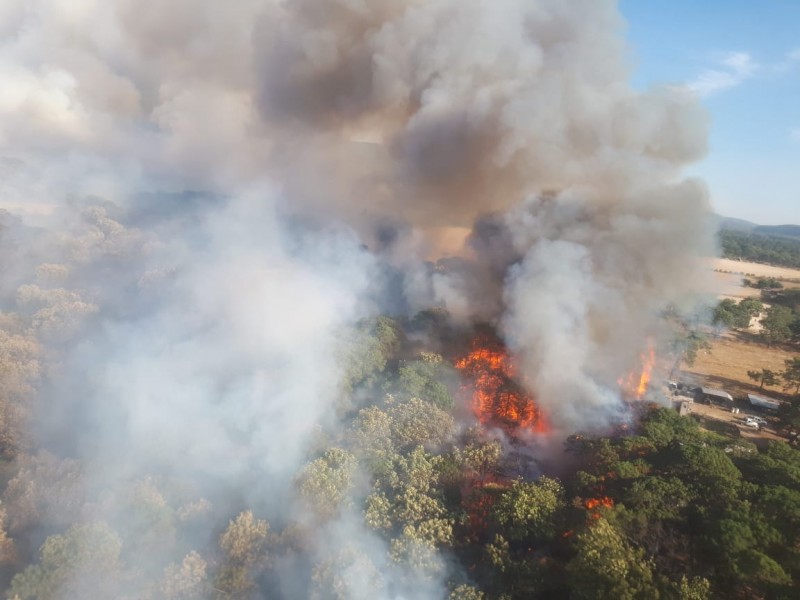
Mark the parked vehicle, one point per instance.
(684, 389)
(760, 420)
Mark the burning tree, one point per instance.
(636, 383)
(497, 397)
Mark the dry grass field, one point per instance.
(752, 269)
(723, 277)
(728, 361)
(727, 285)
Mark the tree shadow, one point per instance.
(748, 337)
(725, 428)
(736, 388)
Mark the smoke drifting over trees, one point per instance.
(205, 200)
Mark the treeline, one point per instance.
(752, 247)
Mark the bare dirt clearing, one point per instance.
(724, 421)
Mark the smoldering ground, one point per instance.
(211, 195)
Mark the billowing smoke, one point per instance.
(211, 194)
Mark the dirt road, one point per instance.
(723, 415)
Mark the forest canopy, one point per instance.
(661, 509)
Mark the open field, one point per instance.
(724, 277)
(728, 361)
(753, 269)
(727, 285)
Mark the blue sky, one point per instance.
(743, 58)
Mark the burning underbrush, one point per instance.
(494, 390)
(497, 395)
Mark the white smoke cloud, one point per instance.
(589, 289)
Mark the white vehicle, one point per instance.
(753, 424)
(760, 420)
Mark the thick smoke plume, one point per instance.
(210, 193)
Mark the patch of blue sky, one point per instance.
(742, 59)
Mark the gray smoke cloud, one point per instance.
(589, 289)
(200, 179)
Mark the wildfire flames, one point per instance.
(496, 397)
(636, 383)
(594, 505)
(602, 502)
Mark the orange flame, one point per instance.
(635, 385)
(594, 505)
(496, 397)
(602, 502)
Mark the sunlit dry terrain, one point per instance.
(729, 359)
(731, 355)
(752, 269)
(724, 276)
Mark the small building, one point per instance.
(763, 403)
(716, 396)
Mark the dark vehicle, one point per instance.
(684, 389)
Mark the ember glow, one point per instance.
(636, 383)
(479, 497)
(496, 396)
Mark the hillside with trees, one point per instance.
(760, 248)
(791, 231)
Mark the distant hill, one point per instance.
(731, 224)
(766, 244)
(740, 225)
(778, 250)
(792, 231)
